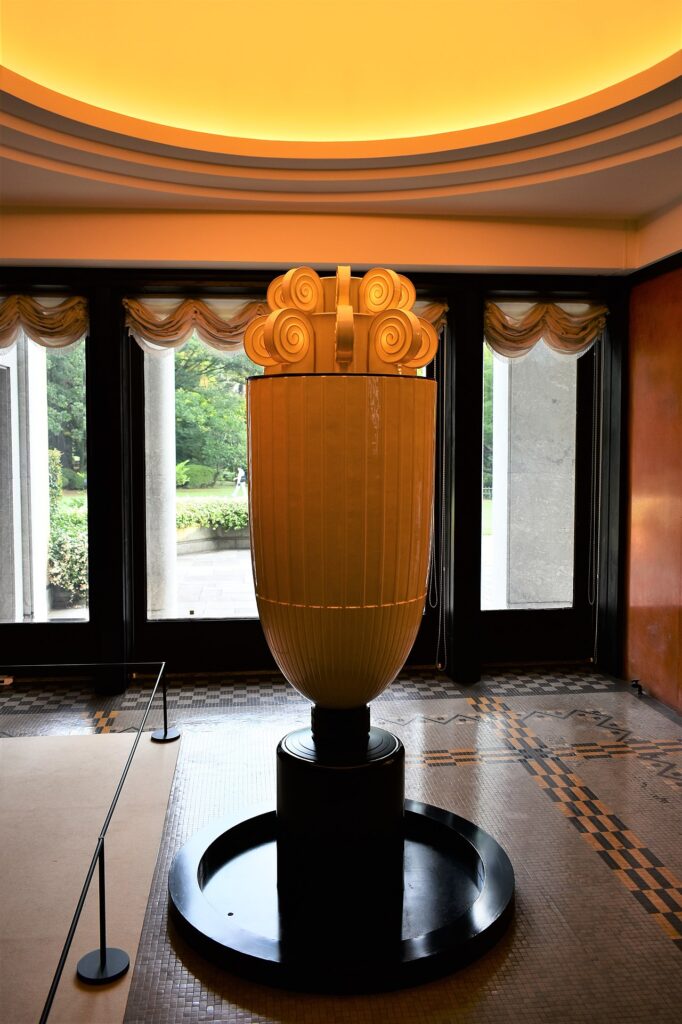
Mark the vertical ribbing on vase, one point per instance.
(343, 478)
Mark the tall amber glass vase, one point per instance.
(341, 491)
(341, 452)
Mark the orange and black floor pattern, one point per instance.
(651, 883)
(578, 777)
(101, 721)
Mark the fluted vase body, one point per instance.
(340, 493)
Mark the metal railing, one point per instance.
(105, 963)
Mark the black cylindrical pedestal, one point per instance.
(340, 831)
(343, 888)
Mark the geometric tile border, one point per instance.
(642, 873)
(265, 689)
(632, 862)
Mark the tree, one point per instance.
(210, 428)
(66, 405)
(210, 407)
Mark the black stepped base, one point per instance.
(456, 900)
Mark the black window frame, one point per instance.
(118, 629)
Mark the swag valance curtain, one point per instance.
(168, 323)
(51, 322)
(564, 331)
(159, 324)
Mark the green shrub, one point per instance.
(68, 551)
(199, 476)
(54, 471)
(73, 479)
(213, 515)
(181, 474)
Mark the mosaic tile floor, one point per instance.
(576, 776)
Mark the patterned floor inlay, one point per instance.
(101, 721)
(621, 850)
(578, 778)
(522, 744)
(634, 864)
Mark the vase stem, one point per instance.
(340, 728)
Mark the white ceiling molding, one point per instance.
(614, 156)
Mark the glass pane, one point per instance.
(529, 417)
(198, 554)
(43, 484)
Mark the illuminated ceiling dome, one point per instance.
(437, 107)
(317, 70)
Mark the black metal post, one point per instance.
(165, 735)
(102, 912)
(115, 961)
(102, 965)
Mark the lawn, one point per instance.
(73, 499)
(487, 517)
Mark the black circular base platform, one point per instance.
(167, 736)
(457, 899)
(92, 971)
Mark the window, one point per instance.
(529, 458)
(43, 483)
(196, 483)
(115, 494)
(531, 446)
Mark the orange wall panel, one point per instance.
(654, 557)
(221, 240)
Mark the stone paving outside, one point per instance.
(211, 585)
(216, 584)
(219, 584)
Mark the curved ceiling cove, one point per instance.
(317, 71)
(614, 155)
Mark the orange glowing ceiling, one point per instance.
(321, 71)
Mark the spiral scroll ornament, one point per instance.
(342, 290)
(275, 296)
(254, 343)
(341, 324)
(344, 335)
(288, 335)
(428, 346)
(395, 335)
(302, 289)
(408, 293)
(380, 289)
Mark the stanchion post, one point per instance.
(165, 735)
(102, 911)
(105, 964)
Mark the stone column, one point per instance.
(11, 582)
(34, 480)
(498, 578)
(540, 443)
(159, 422)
